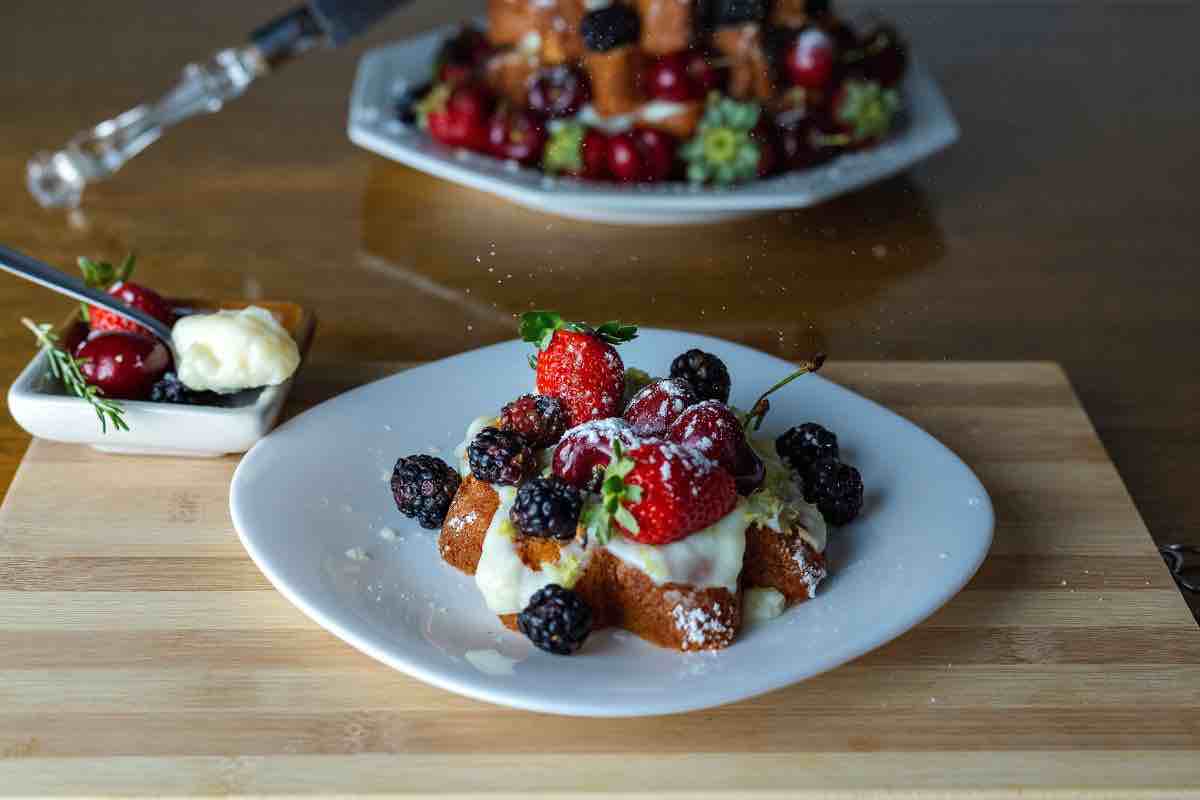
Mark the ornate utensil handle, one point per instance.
(58, 179)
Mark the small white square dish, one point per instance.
(39, 404)
(384, 73)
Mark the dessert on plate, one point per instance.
(713, 92)
(608, 498)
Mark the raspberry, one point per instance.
(547, 508)
(556, 620)
(654, 408)
(804, 445)
(423, 487)
(836, 489)
(541, 419)
(704, 372)
(501, 457)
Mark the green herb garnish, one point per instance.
(65, 367)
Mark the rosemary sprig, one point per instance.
(65, 367)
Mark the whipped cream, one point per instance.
(762, 603)
(503, 579)
(230, 351)
(653, 112)
(707, 559)
(779, 504)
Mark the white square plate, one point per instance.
(311, 499)
(40, 406)
(384, 72)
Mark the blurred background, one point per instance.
(1060, 227)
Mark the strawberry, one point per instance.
(658, 493)
(652, 410)
(578, 364)
(457, 115)
(115, 280)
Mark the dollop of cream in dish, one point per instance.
(230, 351)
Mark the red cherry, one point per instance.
(749, 472)
(517, 135)
(657, 150)
(768, 148)
(624, 158)
(704, 75)
(652, 410)
(585, 450)
(810, 59)
(711, 428)
(595, 155)
(123, 365)
(559, 91)
(667, 78)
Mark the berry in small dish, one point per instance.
(102, 380)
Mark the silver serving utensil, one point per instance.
(58, 178)
(56, 280)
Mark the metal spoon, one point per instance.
(56, 280)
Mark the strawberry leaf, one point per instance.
(614, 494)
(616, 332)
(538, 327)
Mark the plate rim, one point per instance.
(513, 697)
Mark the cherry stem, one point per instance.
(761, 406)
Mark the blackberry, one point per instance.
(804, 445)
(541, 419)
(423, 487)
(502, 457)
(406, 103)
(609, 28)
(169, 389)
(737, 12)
(836, 489)
(556, 620)
(547, 508)
(704, 372)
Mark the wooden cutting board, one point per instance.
(141, 652)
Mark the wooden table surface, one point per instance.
(143, 653)
(1061, 227)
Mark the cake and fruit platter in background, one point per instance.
(606, 497)
(712, 93)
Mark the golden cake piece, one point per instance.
(510, 21)
(614, 77)
(558, 26)
(508, 73)
(749, 69)
(670, 615)
(666, 25)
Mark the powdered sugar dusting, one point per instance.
(456, 524)
(811, 574)
(697, 625)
